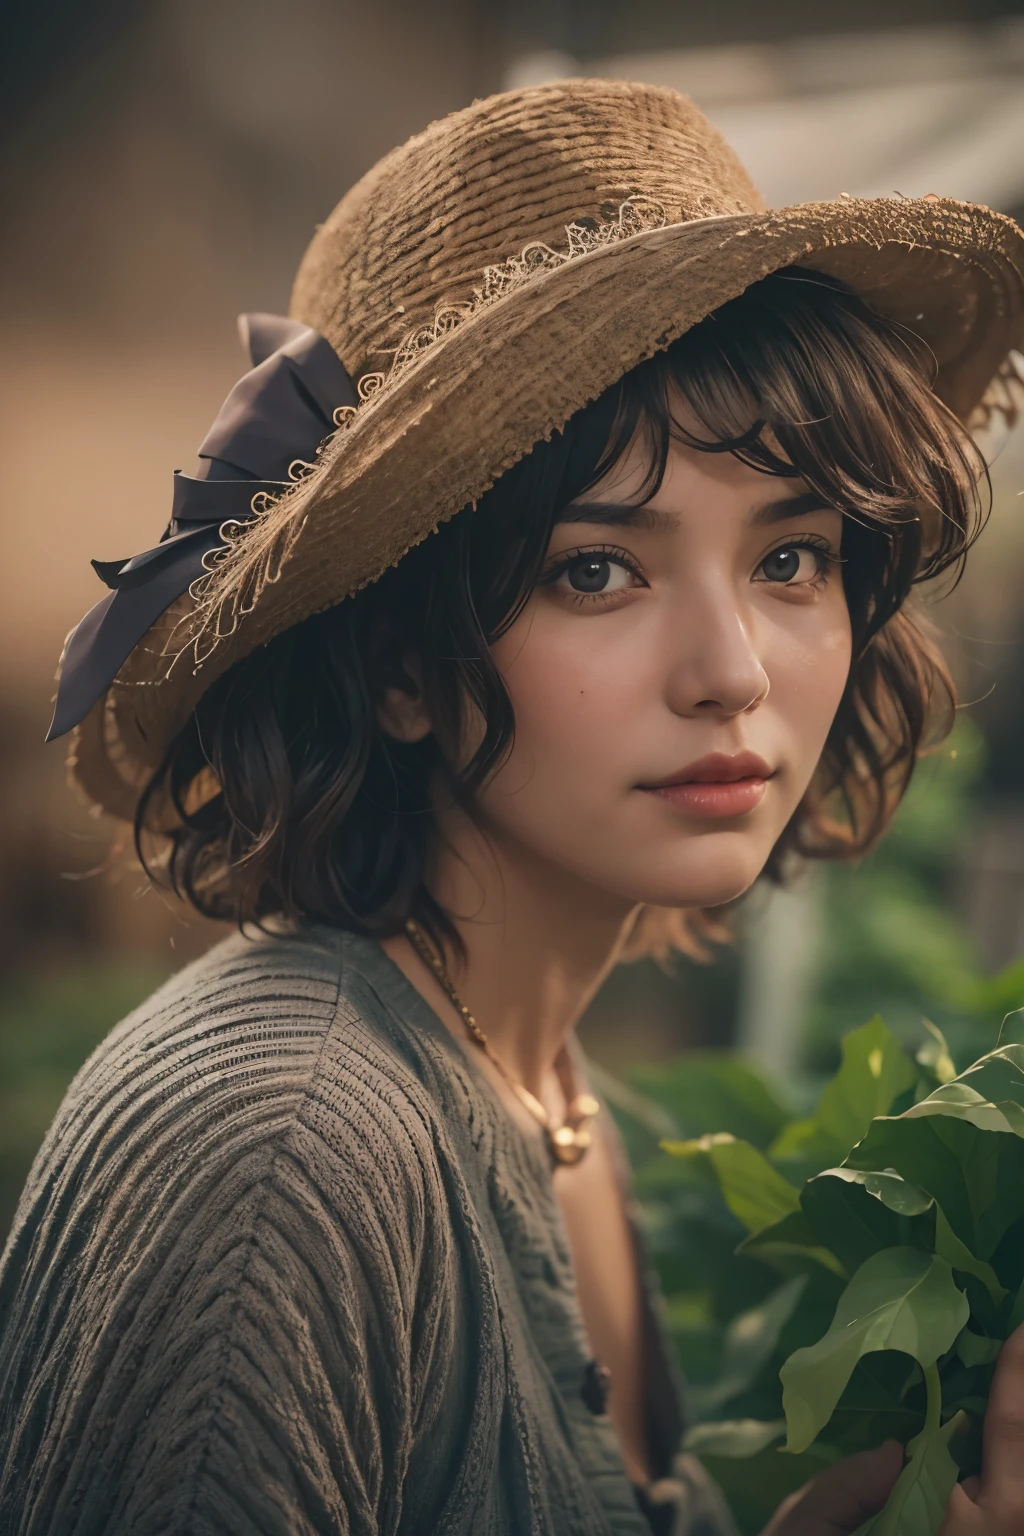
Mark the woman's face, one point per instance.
(673, 678)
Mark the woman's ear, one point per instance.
(401, 712)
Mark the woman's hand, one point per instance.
(993, 1504)
(841, 1498)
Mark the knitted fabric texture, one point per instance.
(283, 1267)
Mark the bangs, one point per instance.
(798, 378)
(282, 796)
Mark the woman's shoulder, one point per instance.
(274, 1049)
(265, 1094)
(242, 1198)
(261, 1017)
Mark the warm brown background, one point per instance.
(162, 165)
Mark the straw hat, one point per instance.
(481, 284)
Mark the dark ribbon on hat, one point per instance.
(278, 412)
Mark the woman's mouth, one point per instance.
(718, 785)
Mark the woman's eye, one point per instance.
(792, 565)
(594, 573)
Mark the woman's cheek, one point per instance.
(548, 682)
(572, 686)
(558, 708)
(807, 676)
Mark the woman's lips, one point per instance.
(719, 785)
(700, 798)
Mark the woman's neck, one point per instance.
(538, 945)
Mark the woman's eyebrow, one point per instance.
(616, 516)
(789, 506)
(651, 519)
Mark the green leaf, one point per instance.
(855, 1214)
(949, 1247)
(899, 1299)
(1016, 1316)
(749, 1343)
(973, 1405)
(974, 1176)
(734, 1437)
(788, 1240)
(990, 1094)
(753, 1190)
(707, 1092)
(875, 1070)
(886, 1186)
(974, 1350)
(934, 1055)
(874, 1405)
(917, 1504)
(1011, 1031)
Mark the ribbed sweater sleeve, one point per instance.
(227, 1302)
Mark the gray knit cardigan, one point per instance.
(284, 1267)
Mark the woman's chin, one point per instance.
(708, 877)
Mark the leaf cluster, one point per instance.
(846, 1277)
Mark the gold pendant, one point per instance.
(570, 1141)
(568, 1146)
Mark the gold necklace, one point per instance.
(568, 1142)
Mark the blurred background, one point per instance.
(162, 166)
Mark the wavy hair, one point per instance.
(283, 797)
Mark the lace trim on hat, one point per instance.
(254, 552)
(636, 216)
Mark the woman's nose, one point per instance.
(716, 668)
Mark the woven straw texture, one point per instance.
(485, 281)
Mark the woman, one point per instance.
(593, 608)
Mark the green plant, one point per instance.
(890, 940)
(842, 1278)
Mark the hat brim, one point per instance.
(445, 427)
